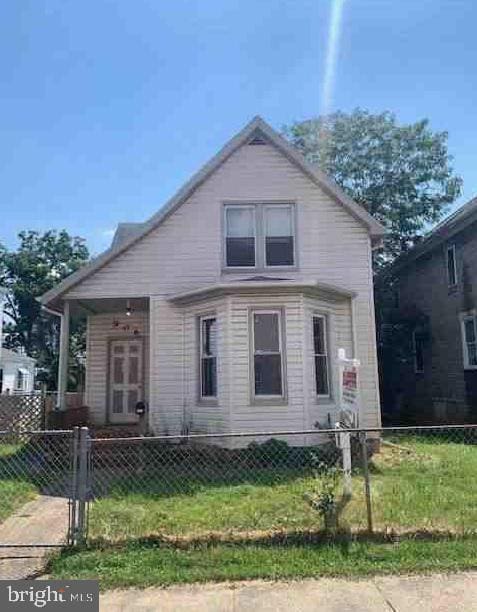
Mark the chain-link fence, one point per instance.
(275, 486)
(35, 469)
(390, 481)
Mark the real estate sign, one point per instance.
(348, 390)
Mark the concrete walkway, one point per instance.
(41, 521)
(433, 593)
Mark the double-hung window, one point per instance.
(469, 341)
(208, 357)
(267, 354)
(259, 235)
(451, 266)
(240, 238)
(320, 351)
(279, 239)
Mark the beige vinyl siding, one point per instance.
(185, 252)
(100, 331)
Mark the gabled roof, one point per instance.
(255, 129)
(124, 232)
(444, 231)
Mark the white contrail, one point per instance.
(334, 32)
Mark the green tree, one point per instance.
(39, 263)
(401, 174)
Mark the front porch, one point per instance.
(117, 361)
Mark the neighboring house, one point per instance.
(225, 310)
(435, 294)
(17, 372)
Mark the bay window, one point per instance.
(320, 351)
(208, 357)
(267, 354)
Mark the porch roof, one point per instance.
(262, 285)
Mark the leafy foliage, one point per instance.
(38, 264)
(401, 174)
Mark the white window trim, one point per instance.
(206, 398)
(414, 348)
(251, 207)
(263, 236)
(279, 312)
(463, 318)
(325, 354)
(259, 236)
(451, 248)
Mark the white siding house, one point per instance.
(225, 311)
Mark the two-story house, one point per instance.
(436, 304)
(226, 309)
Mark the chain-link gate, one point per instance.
(36, 488)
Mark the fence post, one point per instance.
(343, 441)
(367, 486)
(82, 484)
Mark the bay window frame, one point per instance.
(268, 399)
(325, 319)
(203, 399)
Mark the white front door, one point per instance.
(126, 380)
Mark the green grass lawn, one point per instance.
(142, 565)
(190, 525)
(14, 491)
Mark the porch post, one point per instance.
(64, 358)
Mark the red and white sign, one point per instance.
(348, 390)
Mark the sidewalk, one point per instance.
(41, 521)
(432, 593)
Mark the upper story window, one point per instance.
(451, 266)
(469, 341)
(259, 235)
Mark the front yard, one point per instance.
(195, 522)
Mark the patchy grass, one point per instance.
(149, 564)
(14, 491)
(426, 485)
(418, 485)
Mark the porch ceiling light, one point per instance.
(128, 308)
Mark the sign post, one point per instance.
(349, 412)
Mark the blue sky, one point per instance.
(106, 107)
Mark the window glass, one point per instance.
(208, 357)
(240, 236)
(451, 266)
(267, 354)
(279, 243)
(321, 356)
(470, 341)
